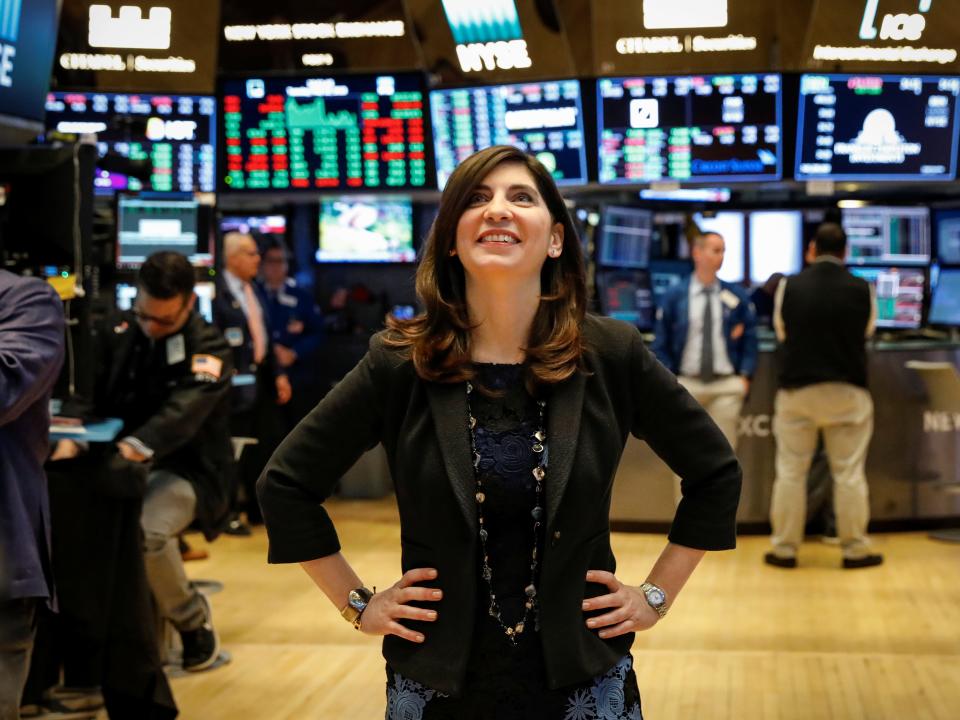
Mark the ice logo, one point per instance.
(878, 142)
(894, 27)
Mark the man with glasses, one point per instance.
(166, 373)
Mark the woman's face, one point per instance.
(507, 229)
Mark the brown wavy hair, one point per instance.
(438, 340)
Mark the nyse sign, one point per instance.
(9, 33)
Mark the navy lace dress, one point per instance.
(506, 680)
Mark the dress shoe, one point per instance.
(779, 561)
(862, 562)
(236, 526)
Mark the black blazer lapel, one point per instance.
(564, 408)
(448, 404)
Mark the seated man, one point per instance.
(166, 374)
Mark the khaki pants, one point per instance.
(723, 401)
(844, 413)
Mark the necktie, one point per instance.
(255, 323)
(706, 359)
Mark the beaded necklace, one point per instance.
(539, 446)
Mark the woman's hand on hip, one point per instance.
(388, 606)
(629, 611)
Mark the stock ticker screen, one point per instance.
(324, 133)
(859, 127)
(544, 119)
(176, 134)
(694, 129)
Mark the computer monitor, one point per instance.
(625, 237)
(146, 226)
(703, 128)
(887, 235)
(877, 127)
(947, 223)
(354, 229)
(776, 243)
(900, 294)
(945, 300)
(126, 293)
(666, 275)
(260, 226)
(544, 119)
(732, 226)
(627, 295)
(175, 134)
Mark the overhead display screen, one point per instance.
(28, 33)
(877, 127)
(544, 119)
(694, 129)
(887, 235)
(176, 134)
(329, 133)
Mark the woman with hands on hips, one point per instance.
(503, 408)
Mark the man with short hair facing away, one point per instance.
(166, 373)
(823, 317)
(259, 385)
(706, 334)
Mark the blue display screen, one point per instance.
(945, 303)
(877, 127)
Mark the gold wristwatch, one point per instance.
(656, 597)
(356, 603)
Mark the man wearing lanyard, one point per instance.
(706, 333)
(259, 385)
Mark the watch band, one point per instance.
(656, 597)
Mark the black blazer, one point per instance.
(423, 427)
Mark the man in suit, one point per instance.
(31, 352)
(259, 385)
(706, 334)
(296, 330)
(166, 373)
(823, 317)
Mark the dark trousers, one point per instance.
(264, 422)
(17, 629)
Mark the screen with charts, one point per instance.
(356, 229)
(205, 292)
(544, 119)
(666, 275)
(627, 295)
(148, 226)
(326, 133)
(731, 226)
(877, 127)
(701, 128)
(776, 243)
(625, 237)
(945, 301)
(900, 294)
(947, 223)
(887, 235)
(176, 134)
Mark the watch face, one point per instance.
(356, 600)
(655, 596)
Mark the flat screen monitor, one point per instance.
(948, 236)
(732, 227)
(627, 295)
(776, 243)
(28, 36)
(205, 292)
(544, 119)
(324, 133)
(945, 301)
(877, 127)
(887, 235)
(354, 229)
(705, 128)
(666, 275)
(260, 226)
(146, 226)
(175, 134)
(900, 294)
(625, 237)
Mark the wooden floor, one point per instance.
(744, 640)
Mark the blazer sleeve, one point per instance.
(684, 436)
(751, 345)
(307, 465)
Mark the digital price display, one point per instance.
(176, 134)
(695, 129)
(544, 119)
(859, 127)
(326, 133)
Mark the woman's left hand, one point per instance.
(629, 611)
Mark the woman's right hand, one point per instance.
(388, 606)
